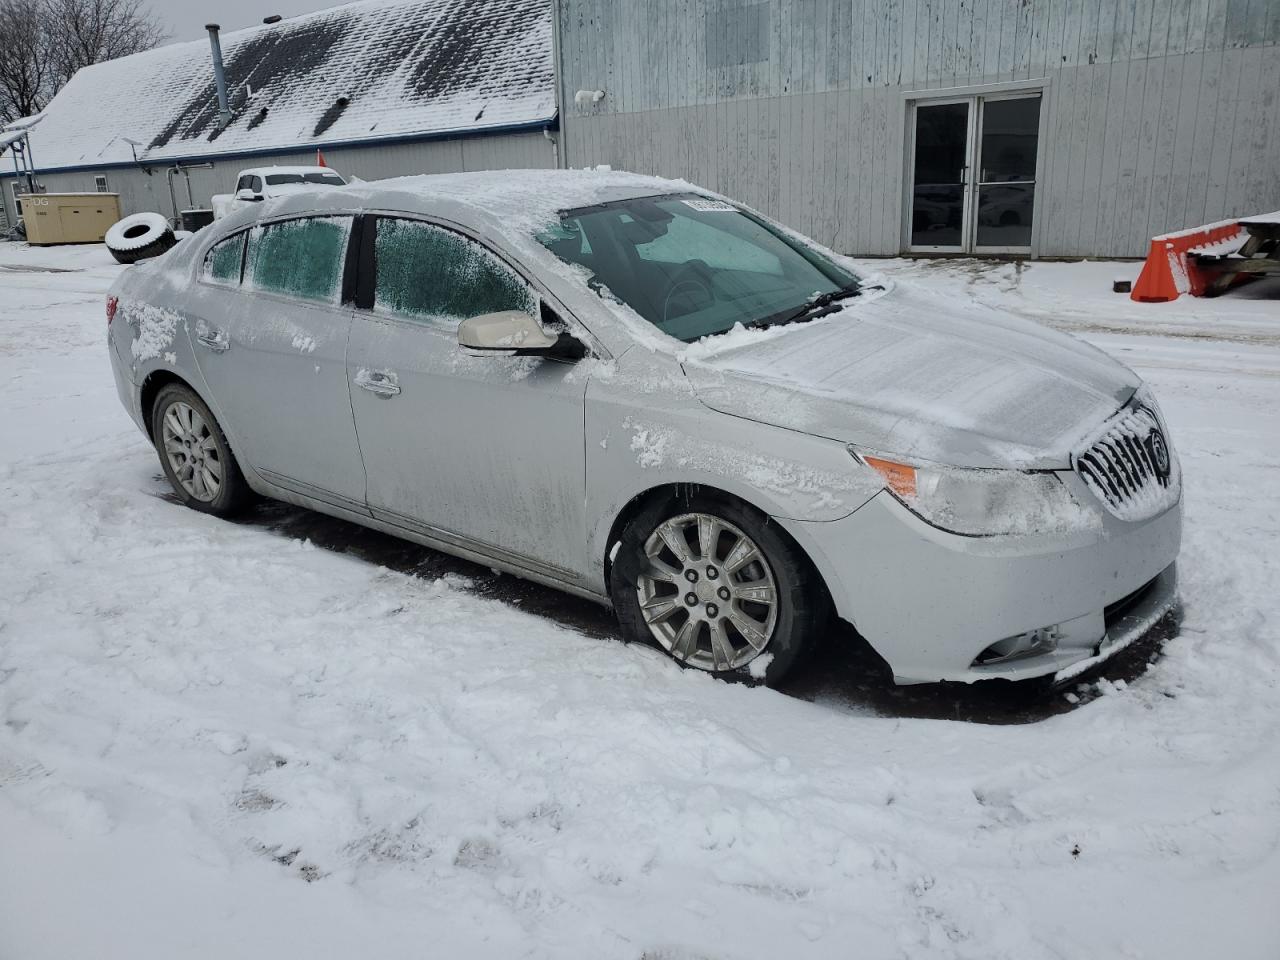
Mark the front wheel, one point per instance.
(195, 455)
(719, 587)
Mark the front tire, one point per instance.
(719, 587)
(195, 455)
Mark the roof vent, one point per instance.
(219, 76)
(274, 18)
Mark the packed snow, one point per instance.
(219, 741)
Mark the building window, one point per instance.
(100, 183)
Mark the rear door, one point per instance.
(485, 452)
(275, 356)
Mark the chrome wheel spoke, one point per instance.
(673, 537)
(658, 609)
(708, 532)
(751, 630)
(208, 480)
(173, 425)
(743, 552)
(661, 570)
(686, 640)
(214, 467)
(756, 592)
(722, 655)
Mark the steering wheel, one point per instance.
(693, 276)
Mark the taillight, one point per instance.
(112, 303)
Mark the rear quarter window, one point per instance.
(299, 258)
(223, 261)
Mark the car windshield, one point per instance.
(694, 266)
(328, 179)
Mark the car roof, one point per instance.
(262, 171)
(500, 199)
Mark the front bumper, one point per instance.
(930, 602)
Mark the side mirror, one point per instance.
(515, 332)
(248, 195)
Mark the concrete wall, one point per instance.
(1157, 114)
(140, 191)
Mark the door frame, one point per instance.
(974, 95)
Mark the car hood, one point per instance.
(906, 373)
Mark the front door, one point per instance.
(481, 452)
(973, 174)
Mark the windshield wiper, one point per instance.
(823, 303)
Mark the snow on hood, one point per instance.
(919, 377)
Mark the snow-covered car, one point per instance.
(259, 183)
(648, 395)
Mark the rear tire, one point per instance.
(733, 615)
(195, 455)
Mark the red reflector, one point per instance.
(112, 303)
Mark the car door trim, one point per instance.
(311, 490)
(481, 548)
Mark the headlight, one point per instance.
(978, 502)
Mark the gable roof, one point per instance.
(377, 70)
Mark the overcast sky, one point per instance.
(185, 19)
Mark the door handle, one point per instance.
(215, 340)
(383, 383)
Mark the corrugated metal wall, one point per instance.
(1159, 113)
(139, 192)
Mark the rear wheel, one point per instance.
(719, 587)
(194, 453)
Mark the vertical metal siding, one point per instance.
(1159, 113)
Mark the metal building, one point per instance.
(385, 88)
(1042, 127)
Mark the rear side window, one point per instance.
(222, 262)
(428, 272)
(299, 258)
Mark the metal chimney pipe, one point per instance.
(219, 75)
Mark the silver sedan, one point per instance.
(646, 394)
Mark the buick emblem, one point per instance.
(1159, 451)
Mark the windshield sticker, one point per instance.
(711, 206)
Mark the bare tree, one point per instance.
(83, 32)
(26, 80)
(44, 42)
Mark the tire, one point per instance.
(800, 611)
(139, 237)
(192, 470)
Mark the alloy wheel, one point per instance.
(192, 451)
(707, 593)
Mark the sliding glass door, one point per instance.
(973, 174)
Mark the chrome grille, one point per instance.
(1129, 466)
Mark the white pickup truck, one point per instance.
(259, 183)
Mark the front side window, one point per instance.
(299, 258)
(222, 262)
(694, 266)
(427, 272)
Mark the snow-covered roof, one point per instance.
(376, 70)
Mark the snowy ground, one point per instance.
(201, 717)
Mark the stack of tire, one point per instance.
(140, 237)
